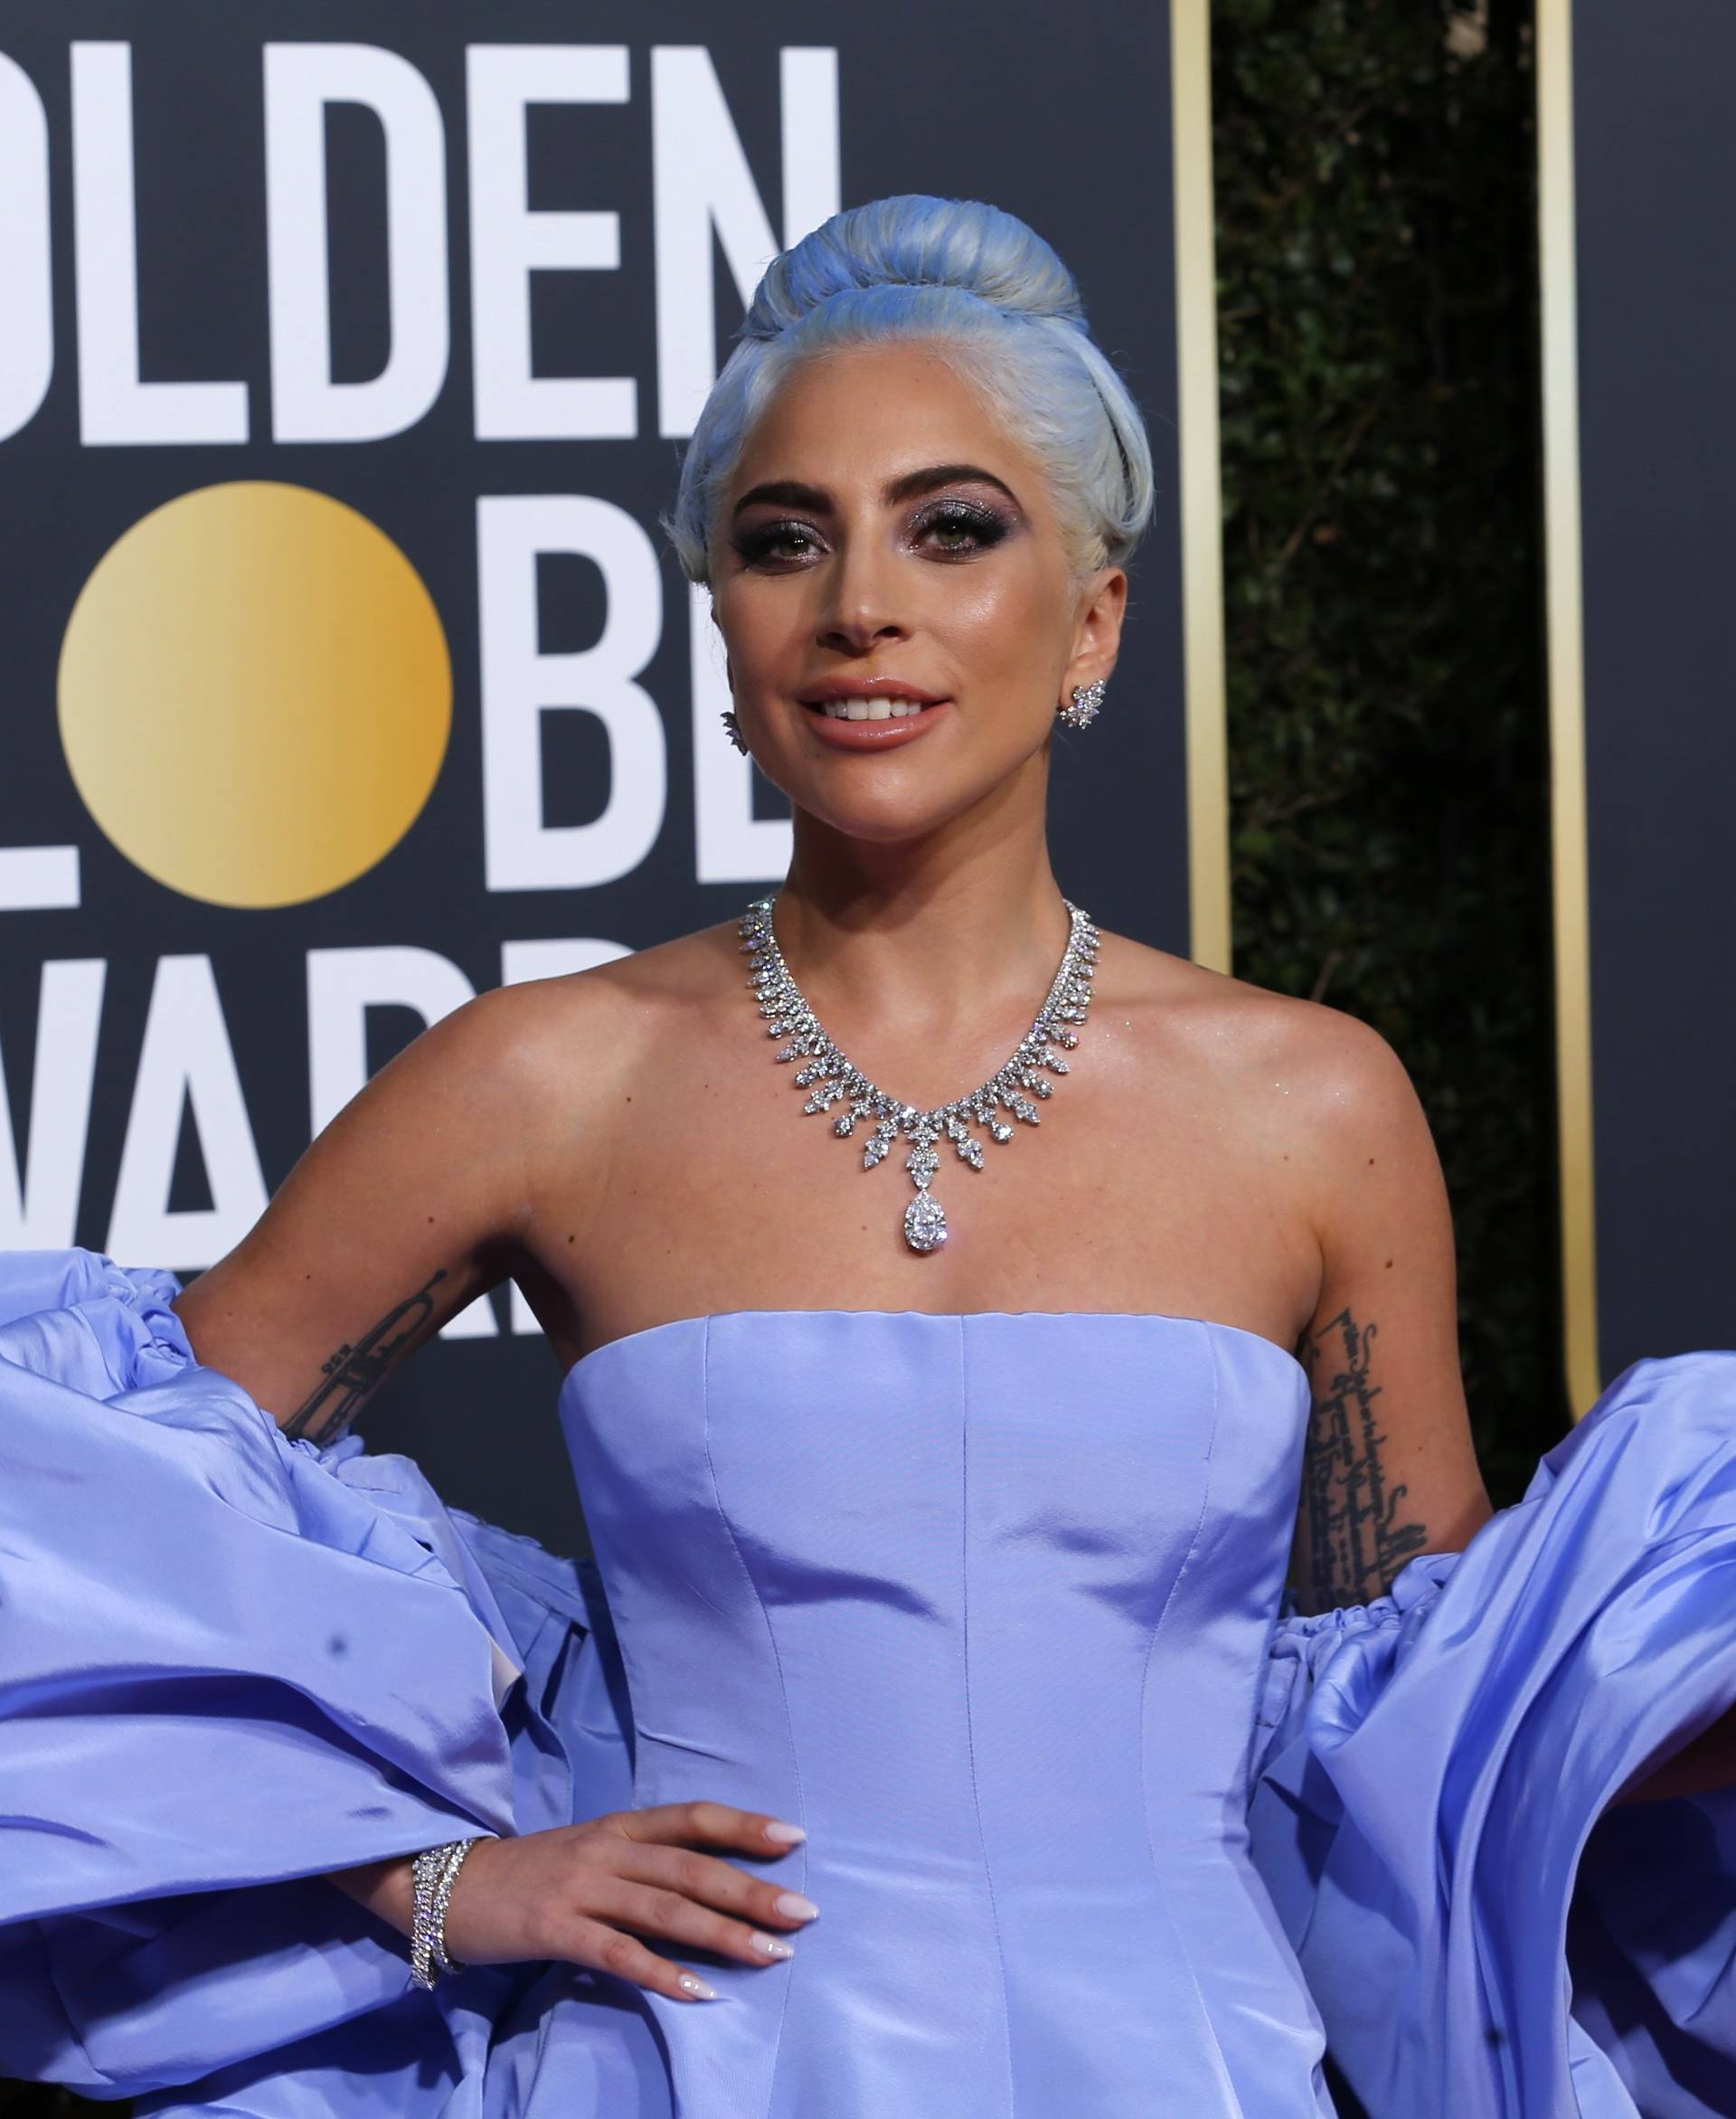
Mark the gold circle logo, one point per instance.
(255, 694)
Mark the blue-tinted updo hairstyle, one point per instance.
(997, 303)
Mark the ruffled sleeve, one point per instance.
(228, 1663)
(1483, 1936)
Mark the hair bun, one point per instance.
(914, 240)
(974, 283)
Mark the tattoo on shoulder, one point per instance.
(354, 1370)
(1357, 1537)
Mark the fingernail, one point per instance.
(795, 1906)
(785, 1835)
(773, 1946)
(697, 1987)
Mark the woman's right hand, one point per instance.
(586, 1894)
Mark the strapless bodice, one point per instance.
(983, 1602)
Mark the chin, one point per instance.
(912, 812)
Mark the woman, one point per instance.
(947, 1752)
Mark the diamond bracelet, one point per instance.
(435, 1870)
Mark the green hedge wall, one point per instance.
(1388, 739)
(1389, 762)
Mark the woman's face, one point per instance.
(883, 530)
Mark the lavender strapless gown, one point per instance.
(992, 1605)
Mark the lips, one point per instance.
(886, 720)
(868, 698)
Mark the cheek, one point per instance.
(1003, 619)
(761, 633)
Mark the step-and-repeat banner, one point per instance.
(1638, 168)
(346, 357)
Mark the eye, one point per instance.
(960, 526)
(777, 544)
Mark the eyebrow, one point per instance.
(911, 486)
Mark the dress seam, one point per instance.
(970, 1719)
(778, 1660)
(1145, 1721)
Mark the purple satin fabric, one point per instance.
(228, 1663)
(990, 1603)
(1430, 1805)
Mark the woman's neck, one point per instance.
(897, 940)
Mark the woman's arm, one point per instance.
(403, 1209)
(1388, 1468)
(407, 1205)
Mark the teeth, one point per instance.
(869, 709)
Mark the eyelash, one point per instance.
(759, 546)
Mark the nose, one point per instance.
(861, 606)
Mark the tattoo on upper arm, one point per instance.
(1357, 1540)
(353, 1371)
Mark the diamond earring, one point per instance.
(1086, 699)
(734, 728)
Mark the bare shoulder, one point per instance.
(1309, 1111)
(1312, 1068)
(1390, 1470)
(417, 1197)
(606, 1015)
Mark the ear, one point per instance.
(1096, 637)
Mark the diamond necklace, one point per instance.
(834, 1079)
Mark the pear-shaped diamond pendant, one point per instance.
(831, 1079)
(925, 1222)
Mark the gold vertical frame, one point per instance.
(1202, 506)
(1563, 597)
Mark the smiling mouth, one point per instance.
(880, 709)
